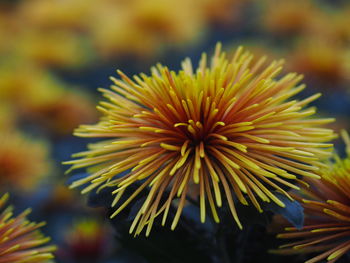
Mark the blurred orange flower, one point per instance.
(23, 162)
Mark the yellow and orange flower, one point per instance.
(327, 209)
(23, 162)
(227, 127)
(20, 239)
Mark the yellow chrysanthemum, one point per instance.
(20, 239)
(327, 210)
(226, 128)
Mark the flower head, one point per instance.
(227, 128)
(88, 239)
(327, 209)
(321, 61)
(21, 241)
(63, 114)
(40, 97)
(23, 162)
(288, 17)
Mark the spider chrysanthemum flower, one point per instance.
(227, 128)
(20, 239)
(327, 208)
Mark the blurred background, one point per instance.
(54, 54)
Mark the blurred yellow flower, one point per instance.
(109, 28)
(42, 98)
(288, 16)
(61, 49)
(321, 61)
(23, 162)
